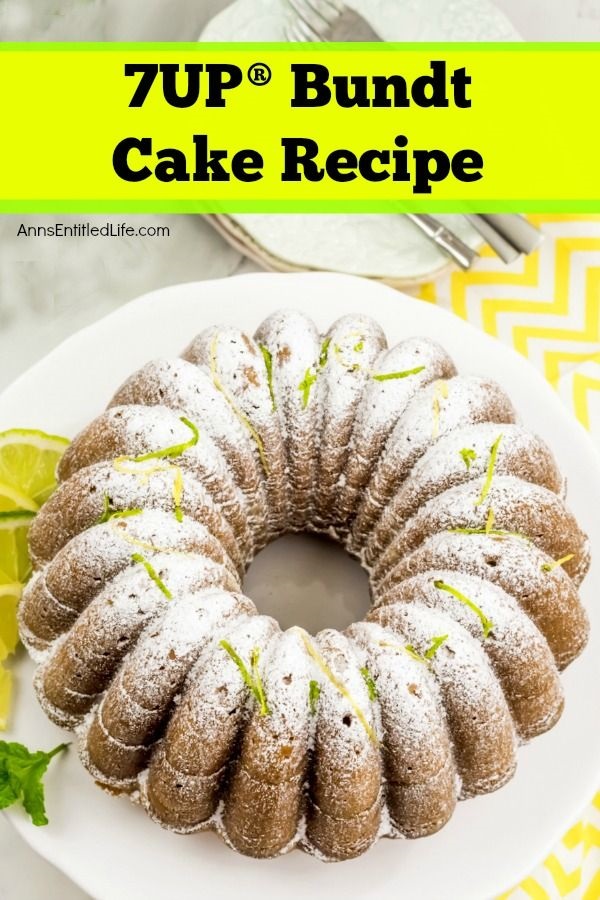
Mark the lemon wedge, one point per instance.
(28, 461)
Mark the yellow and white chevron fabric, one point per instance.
(547, 306)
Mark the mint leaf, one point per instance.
(21, 774)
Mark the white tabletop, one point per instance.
(44, 296)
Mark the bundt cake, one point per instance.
(186, 698)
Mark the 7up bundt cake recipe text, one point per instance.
(209, 715)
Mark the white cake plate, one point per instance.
(107, 845)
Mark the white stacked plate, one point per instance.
(385, 247)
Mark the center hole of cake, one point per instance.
(302, 579)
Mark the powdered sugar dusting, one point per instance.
(459, 456)
(510, 505)
(435, 410)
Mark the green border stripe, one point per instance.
(206, 207)
(278, 46)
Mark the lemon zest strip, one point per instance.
(549, 567)
(486, 623)
(343, 690)
(238, 412)
(490, 471)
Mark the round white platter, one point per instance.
(107, 845)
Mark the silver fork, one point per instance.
(509, 236)
(332, 20)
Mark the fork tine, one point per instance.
(329, 15)
(305, 28)
(304, 32)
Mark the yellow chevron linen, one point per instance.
(547, 306)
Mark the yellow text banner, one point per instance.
(315, 128)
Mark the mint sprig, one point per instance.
(21, 774)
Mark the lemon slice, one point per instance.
(28, 461)
(5, 695)
(12, 499)
(14, 553)
(13, 534)
(10, 594)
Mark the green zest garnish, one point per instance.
(426, 657)
(109, 513)
(549, 567)
(268, 358)
(175, 450)
(305, 386)
(314, 692)
(122, 465)
(493, 532)
(433, 648)
(339, 686)
(251, 677)
(435, 645)
(358, 348)
(310, 376)
(489, 522)
(408, 648)
(138, 558)
(324, 353)
(21, 774)
(490, 471)
(370, 683)
(486, 623)
(468, 456)
(388, 376)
